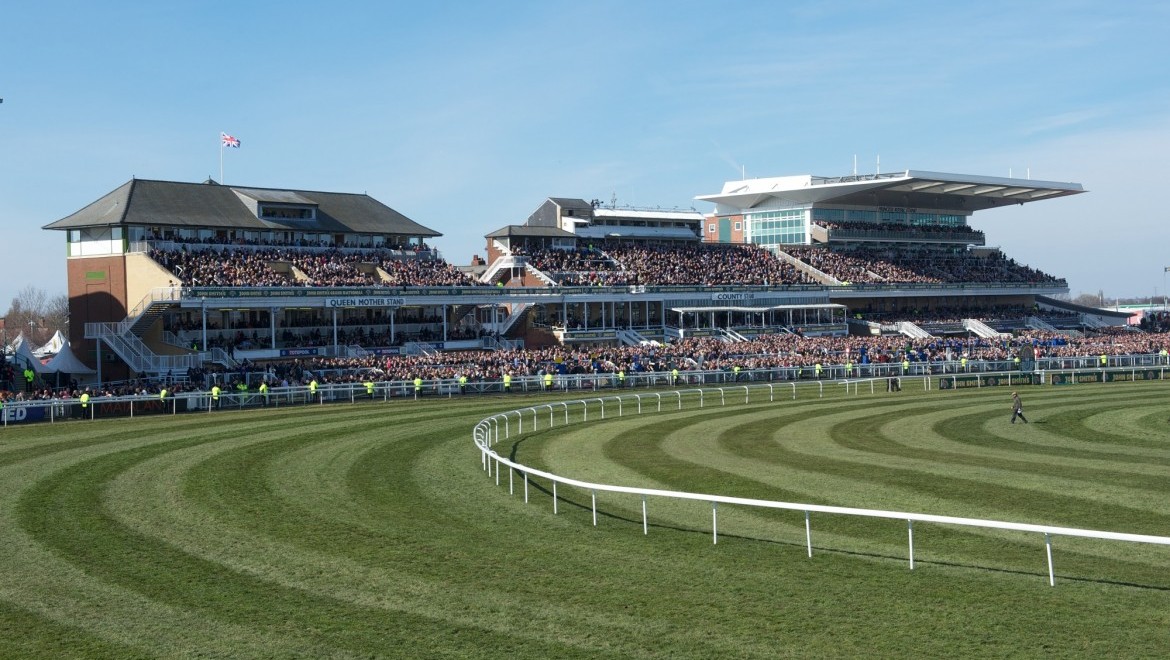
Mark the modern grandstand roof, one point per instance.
(210, 205)
(911, 188)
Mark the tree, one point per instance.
(37, 315)
(1088, 300)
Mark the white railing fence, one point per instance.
(487, 433)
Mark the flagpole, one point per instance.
(221, 158)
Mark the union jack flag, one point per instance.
(229, 141)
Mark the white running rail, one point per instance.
(487, 433)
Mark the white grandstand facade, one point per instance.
(169, 276)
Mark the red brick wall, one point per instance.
(711, 228)
(97, 292)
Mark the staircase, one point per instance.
(503, 327)
(913, 331)
(1090, 321)
(125, 337)
(502, 266)
(418, 348)
(1037, 323)
(737, 336)
(633, 338)
(154, 310)
(864, 328)
(981, 329)
(816, 274)
(135, 353)
(492, 343)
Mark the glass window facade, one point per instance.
(890, 215)
(769, 228)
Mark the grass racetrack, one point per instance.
(371, 530)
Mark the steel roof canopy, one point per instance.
(911, 188)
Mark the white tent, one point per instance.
(25, 357)
(65, 362)
(14, 344)
(51, 347)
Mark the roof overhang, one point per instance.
(908, 189)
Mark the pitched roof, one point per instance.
(528, 230)
(571, 203)
(172, 203)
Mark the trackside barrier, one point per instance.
(937, 376)
(482, 435)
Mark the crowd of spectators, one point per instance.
(614, 263)
(1155, 322)
(324, 243)
(224, 267)
(852, 268)
(704, 263)
(230, 267)
(582, 266)
(911, 231)
(956, 314)
(773, 351)
(919, 265)
(608, 263)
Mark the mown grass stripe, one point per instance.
(400, 528)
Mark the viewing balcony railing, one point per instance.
(504, 293)
(909, 236)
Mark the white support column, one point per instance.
(203, 340)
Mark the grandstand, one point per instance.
(168, 278)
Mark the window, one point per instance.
(771, 228)
(738, 226)
(273, 212)
(711, 229)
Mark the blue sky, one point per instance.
(465, 116)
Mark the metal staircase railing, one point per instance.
(809, 269)
(981, 329)
(1037, 323)
(502, 328)
(912, 330)
(1090, 321)
(631, 337)
(507, 261)
(135, 353)
(123, 337)
(537, 273)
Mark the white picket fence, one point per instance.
(487, 433)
